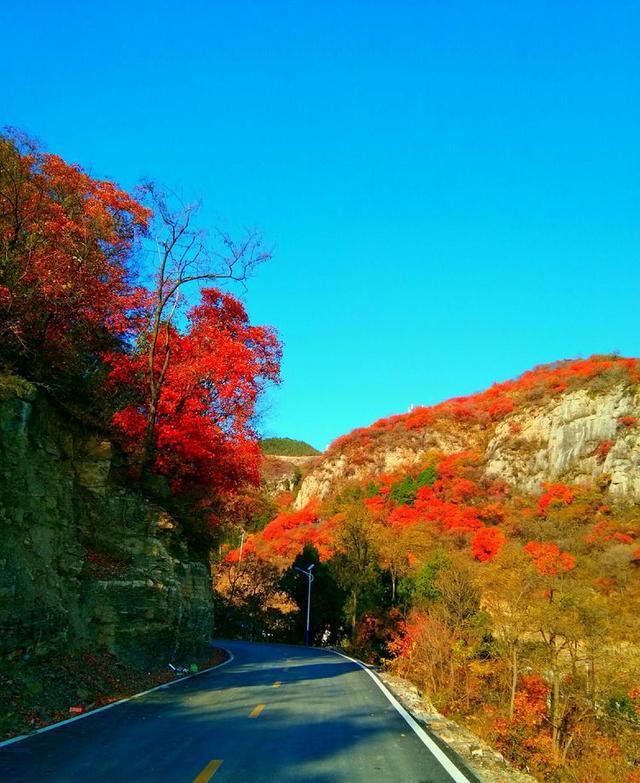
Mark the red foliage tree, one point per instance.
(549, 559)
(204, 439)
(526, 738)
(487, 542)
(555, 495)
(65, 240)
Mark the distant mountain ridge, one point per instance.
(287, 447)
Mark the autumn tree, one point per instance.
(507, 585)
(204, 441)
(185, 365)
(186, 258)
(357, 561)
(66, 288)
(250, 600)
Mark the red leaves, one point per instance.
(68, 240)
(67, 303)
(404, 516)
(487, 542)
(548, 559)
(501, 399)
(290, 531)
(204, 441)
(555, 495)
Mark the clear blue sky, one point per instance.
(452, 188)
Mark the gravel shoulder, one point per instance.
(485, 763)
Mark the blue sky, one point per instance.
(452, 189)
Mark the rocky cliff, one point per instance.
(86, 563)
(573, 422)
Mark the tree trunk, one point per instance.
(514, 678)
(554, 701)
(354, 598)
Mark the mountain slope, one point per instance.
(573, 420)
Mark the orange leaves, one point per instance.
(627, 421)
(284, 500)
(487, 542)
(404, 516)
(555, 495)
(376, 505)
(419, 418)
(549, 559)
(461, 489)
(287, 534)
(531, 701)
(526, 739)
(605, 531)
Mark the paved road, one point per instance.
(275, 714)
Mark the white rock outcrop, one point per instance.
(562, 439)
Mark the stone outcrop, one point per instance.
(85, 561)
(562, 442)
(574, 437)
(284, 473)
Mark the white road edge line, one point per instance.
(89, 714)
(457, 775)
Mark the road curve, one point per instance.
(274, 714)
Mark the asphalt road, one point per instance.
(274, 714)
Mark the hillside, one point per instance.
(488, 549)
(287, 447)
(569, 421)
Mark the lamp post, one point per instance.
(309, 576)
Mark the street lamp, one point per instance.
(244, 533)
(309, 576)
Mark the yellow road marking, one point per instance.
(208, 772)
(256, 711)
(277, 684)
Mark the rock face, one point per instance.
(564, 441)
(284, 473)
(578, 436)
(384, 457)
(86, 563)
